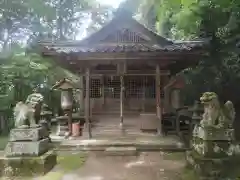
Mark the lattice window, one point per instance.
(140, 86)
(135, 87)
(95, 88)
(112, 86)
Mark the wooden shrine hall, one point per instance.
(124, 68)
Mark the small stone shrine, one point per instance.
(215, 154)
(28, 151)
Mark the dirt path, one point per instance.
(150, 166)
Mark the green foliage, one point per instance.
(20, 74)
(217, 20)
(3, 142)
(189, 174)
(28, 21)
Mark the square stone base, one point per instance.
(27, 148)
(213, 133)
(213, 149)
(29, 134)
(213, 168)
(27, 166)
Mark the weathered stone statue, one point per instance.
(214, 149)
(28, 149)
(24, 116)
(215, 114)
(35, 100)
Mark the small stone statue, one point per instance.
(28, 113)
(215, 114)
(24, 116)
(35, 100)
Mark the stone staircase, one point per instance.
(121, 146)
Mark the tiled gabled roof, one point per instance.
(122, 35)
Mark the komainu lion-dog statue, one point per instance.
(216, 114)
(24, 115)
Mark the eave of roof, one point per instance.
(121, 47)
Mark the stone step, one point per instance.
(118, 109)
(121, 151)
(107, 112)
(116, 133)
(145, 143)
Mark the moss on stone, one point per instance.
(22, 168)
(214, 167)
(213, 149)
(49, 176)
(30, 166)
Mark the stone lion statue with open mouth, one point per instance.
(216, 114)
(24, 116)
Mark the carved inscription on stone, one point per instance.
(27, 148)
(31, 134)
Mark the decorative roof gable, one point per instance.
(124, 36)
(125, 30)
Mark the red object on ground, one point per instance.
(76, 129)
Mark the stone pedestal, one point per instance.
(28, 166)
(27, 153)
(62, 129)
(45, 120)
(214, 153)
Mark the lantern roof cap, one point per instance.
(64, 84)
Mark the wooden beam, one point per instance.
(127, 55)
(112, 73)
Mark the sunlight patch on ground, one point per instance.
(89, 178)
(132, 164)
(91, 141)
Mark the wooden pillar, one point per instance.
(121, 99)
(102, 90)
(167, 95)
(167, 99)
(87, 104)
(81, 94)
(143, 94)
(70, 122)
(158, 100)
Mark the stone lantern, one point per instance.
(65, 122)
(197, 111)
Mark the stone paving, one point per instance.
(150, 166)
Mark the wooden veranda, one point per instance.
(126, 64)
